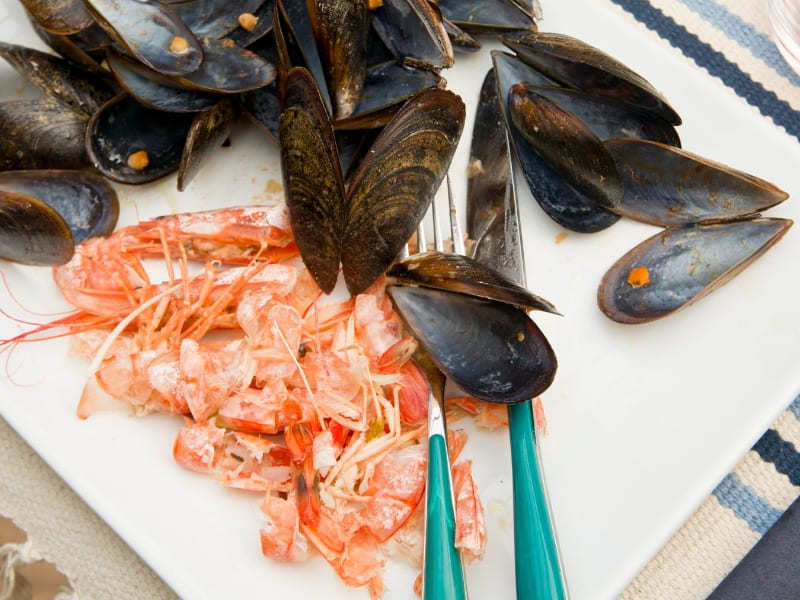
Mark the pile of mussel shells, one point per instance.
(141, 89)
(353, 94)
(597, 142)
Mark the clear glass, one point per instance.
(784, 17)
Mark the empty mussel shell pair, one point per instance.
(561, 99)
(44, 213)
(364, 223)
(710, 212)
(474, 324)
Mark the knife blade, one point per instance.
(493, 227)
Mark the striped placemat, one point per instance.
(731, 40)
(740, 510)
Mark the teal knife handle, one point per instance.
(443, 576)
(537, 565)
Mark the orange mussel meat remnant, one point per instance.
(313, 403)
(639, 276)
(138, 160)
(178, 45)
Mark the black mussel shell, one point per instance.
(491, 350)
(458, 273)
(392, 187)
(215, 18)
(608, 118)
(529, 7)
(566, 144)
(86, 201)
(31, 232)
(61, 17)
(41, 134)
(247, 37)
(574, 63)
(154, 90)
(340, 29)
(681, 265)
(295, 45)
(667, 186)
(81, 91)
(65, 46)
(386, 87)
(228, 69)
(312, 178)
(263, 107)
(208, 132)
(123, 129)
(366, 227)
(563, 203)
(486, 16)
(414, 32)
(460, 39)
(151, 32)
(492, 223)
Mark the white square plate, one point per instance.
(643, 421)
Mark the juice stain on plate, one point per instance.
(561, 237)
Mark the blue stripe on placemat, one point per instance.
(746, 504)
(795, 408)
(773, 448)
(716, 64)
(744, 34)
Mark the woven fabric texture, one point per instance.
(729, 39)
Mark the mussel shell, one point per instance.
(208, 132)
(295, 45)
(492, 207)
(566, 144)
(563, 203)
(146, 30)
(394, 184)
(262, 106)
(365, 227)
(683, 265)
(510, 70)
(607, 118)
(215, 18)
(667, 186)
(458, 273)
(155, 90)
(413, 31)
(530, 7)
(61, 17)
(81, 91)
(386, 87)
(264, 21)
(312, 178)
(486, 16)
(86, 201)
(66, 47)
(41, 134)
(566, 205)
(228, 69)
(492, 351)
(122, 127)
(460, 39)
(340, 29)
(31, 232)
(574, 63)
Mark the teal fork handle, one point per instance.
(443, 576)
(536, 562)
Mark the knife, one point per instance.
(493, 226)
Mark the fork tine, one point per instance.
(455, 228)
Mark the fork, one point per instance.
(443, 571)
